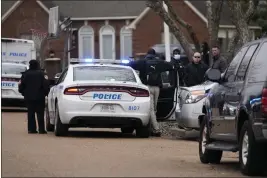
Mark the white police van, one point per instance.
(105, 94)
(17, 50)
(16, 54)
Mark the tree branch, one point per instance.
(183, 23)
(249, 12)
(157, 7)
(214, 9)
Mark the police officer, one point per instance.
(154, 81)
(179, 62)
(34, 86)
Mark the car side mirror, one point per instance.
(213, 75)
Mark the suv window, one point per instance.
(258, 72)
(245, 62)
(230, 73)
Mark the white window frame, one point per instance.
(125, 33)
(107, 30)
(82, 34)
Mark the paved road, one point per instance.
(106, 153)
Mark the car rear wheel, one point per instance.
(251, 154)
(143, 132)
(49, 126)
(127, 130)
(60, 129)
(207, 156)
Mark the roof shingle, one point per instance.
(96, 8)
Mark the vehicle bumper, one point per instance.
(188, 115)
(79, 113)
(260, 130)
(13, 101)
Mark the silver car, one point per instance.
(189, 110)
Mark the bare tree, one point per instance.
(214, 9)
(184, 24)
(172, 20)
(241, 18)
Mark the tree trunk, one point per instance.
(157, 7)
(241, 21)
(214, 9)
(184, 24)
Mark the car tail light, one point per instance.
(264, 101)
(137, 92)
(74, 91)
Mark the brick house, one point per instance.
(106, 29)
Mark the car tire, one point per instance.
(143, 132)
(207, 156)
(127, 130)
(252, 156)
(59, 128)
(49, 126)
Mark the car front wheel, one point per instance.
(251, 154)
(207, 156)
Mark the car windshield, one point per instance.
(106, 73)
(13, 69)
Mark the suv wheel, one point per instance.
(143, 132)
(60, 129)
(49, 127)
(127, 130)
(251, 153)
(207, 156)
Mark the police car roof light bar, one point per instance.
(100, 61)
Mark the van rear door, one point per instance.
(16, 51)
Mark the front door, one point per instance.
(218, 101)
(168, 95)
(233, 96)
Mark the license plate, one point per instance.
(107, 108)
(6, 92)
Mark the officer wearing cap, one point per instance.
(34, 86)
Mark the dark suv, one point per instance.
(236, 111)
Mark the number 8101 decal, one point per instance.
(133, 108)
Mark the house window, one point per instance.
(126, 43)
(107, 42)
(86, 42)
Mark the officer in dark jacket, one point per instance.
(195, 71)
(150, 69)
(179, 61)
(34, 86)
(219, 62)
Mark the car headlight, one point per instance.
(195, 96)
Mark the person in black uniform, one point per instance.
(195, 71)
(151, 68)
(34, 86)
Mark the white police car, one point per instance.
(99, 95)
(11, 74)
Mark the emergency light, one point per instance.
(98, 61)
